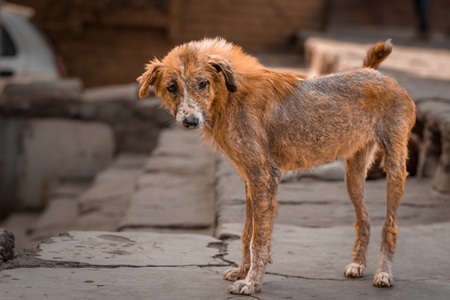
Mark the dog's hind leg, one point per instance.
(356, 169)
(241, 272)
(395, 167)
(263, 179)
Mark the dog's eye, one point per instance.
(203, 84)
(172, 88)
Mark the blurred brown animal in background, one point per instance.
(268, 121)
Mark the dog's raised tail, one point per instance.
(377, 54)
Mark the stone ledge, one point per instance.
(136, 123)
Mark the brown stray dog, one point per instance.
(268, 121)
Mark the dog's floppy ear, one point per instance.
(221, 65)
(149, 77)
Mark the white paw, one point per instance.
(244, 287)
(233, 274)
(354, 270)
(383, 279)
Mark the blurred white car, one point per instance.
(25, 52)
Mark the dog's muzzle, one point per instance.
(190, 122)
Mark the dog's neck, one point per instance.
(271, 86)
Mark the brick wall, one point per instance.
(108, 41)
(254, 24)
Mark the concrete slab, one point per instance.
(323, 215)
(195, 283)
(171, 201)
(103, 204)
(297, 288)
(176, 142)
(60, 215)
(166, 283)
(182, 153)
(322, 253)
(177, 190)
(117, 181)
(131, 249)
(230, 189)
(101, 193)
(313, 203)
(206, 231)
(70, 188)
(123, 168)
(277, 287)
(105, 217)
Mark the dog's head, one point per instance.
(189, 80)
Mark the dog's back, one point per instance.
(341, 113)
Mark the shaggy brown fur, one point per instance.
(268, 121)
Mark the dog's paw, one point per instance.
(354, 270)
(383, 279)
(234, 274)
(244, 287)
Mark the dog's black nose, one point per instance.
(190, 122)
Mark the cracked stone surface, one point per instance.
(195, 283)
(130, 249)
(322, 253)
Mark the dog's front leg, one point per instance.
(262, 188)
(241, 272)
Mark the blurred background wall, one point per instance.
(90, 34)
(108, 41)
(386, 13)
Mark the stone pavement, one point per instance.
(308, 263)
(176, 191)
(172, 224)
(313, 237)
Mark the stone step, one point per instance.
(309, 202)
(176, 191)
(102, 206)
(61, 212)
(82, 205)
